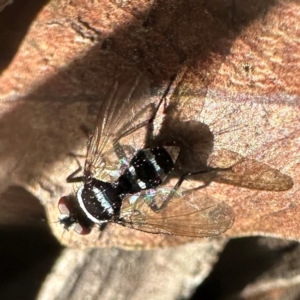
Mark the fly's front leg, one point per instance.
(72, 177)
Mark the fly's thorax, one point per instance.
(100, 201)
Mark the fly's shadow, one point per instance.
(196, 141)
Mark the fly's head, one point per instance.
(71, 216)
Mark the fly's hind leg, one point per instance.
(175, 190)
(208, 170)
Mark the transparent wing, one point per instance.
(249, 173)
(184, 216)
(124, 110)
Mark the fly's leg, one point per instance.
(157, 208)
(116, 144)
(183, 177)
(151, 120)
(208, 170)
(72, 177)
(119, 150)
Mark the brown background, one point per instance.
(239, 62)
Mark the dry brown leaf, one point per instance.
(238, 98)
(239, 65)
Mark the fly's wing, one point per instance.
(249, 173)
(184, 215)
(127, 106)
(255, 175)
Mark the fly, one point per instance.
(124, 186)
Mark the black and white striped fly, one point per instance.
(125, 184)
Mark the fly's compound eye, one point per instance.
(72, 218)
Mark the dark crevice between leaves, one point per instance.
(28, 249)
(242, 261)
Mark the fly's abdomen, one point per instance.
(147, 169)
